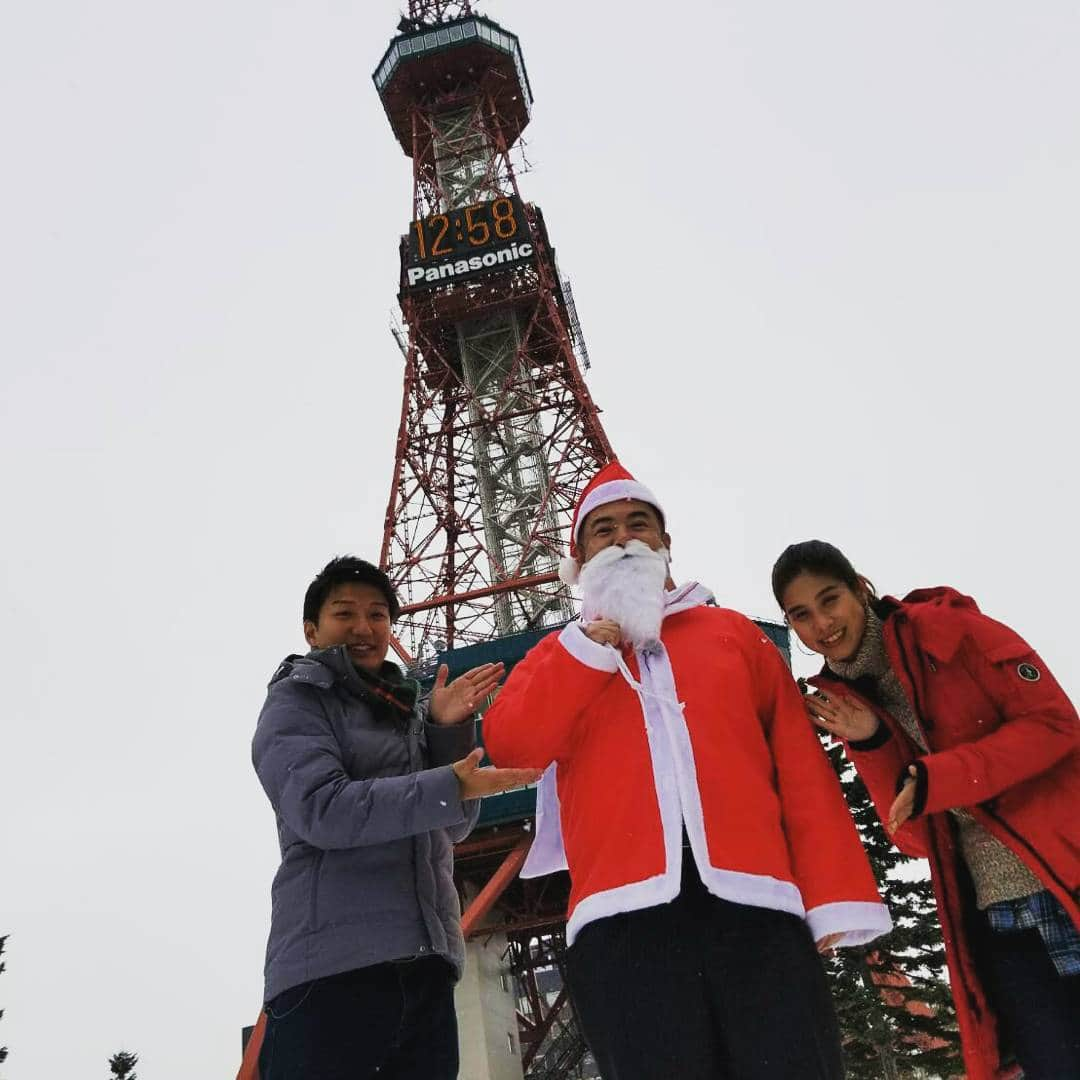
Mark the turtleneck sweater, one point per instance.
(996, 872)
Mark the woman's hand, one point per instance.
(904, 803)
(843, 718)
(476, 782)
(458, 701)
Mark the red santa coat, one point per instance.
(713, 735)
(1004, 743)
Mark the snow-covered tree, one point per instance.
(122, 1064)
(893, 1000)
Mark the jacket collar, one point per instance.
(684, 597)
(324, 667)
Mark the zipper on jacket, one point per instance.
(316, 873)
(973, 1002)
(925, 724)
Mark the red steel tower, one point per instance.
(498, 435)
(498, 432)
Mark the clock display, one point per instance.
(465, 242)
(463, 231)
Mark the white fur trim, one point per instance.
(547, 854)
(858, 921)
(651, 892)
(757, 890)
(569, 570)
(685, 597)
(586, 651)
(613, 491)
(663, 887)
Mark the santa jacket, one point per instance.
(713, 735)
(1004, 742)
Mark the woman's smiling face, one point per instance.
(826, 614)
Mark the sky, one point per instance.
(825, 260)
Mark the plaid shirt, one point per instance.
(1041, 911)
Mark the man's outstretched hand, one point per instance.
(458, 701)
(476, 782)
(825, 945)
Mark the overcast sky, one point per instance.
(825, 258)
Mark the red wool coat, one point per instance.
(1004, 743)
(715, 737)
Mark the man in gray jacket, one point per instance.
(371, 785)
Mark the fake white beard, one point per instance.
(626, 585)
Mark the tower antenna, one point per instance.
(430, 12)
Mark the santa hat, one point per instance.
(611, 484)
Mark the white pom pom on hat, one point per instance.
(569, 570)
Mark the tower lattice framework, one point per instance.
(498, 432)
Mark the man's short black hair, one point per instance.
(340, 571)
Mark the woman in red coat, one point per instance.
(971, 752)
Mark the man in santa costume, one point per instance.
(708, 842)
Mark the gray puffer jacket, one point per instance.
(368, 809)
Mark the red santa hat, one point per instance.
(611, 484)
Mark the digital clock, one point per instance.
(466, 241)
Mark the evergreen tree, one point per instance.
(3, 1049)
(122, 1064)
(897, 1020)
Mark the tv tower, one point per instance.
(498, 435)
(498, 432)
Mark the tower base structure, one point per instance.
(487, 1013)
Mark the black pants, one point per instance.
(703, 989)
(387, 1022)
(1038, 1008)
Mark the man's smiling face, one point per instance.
(620, 521)
(356, 615)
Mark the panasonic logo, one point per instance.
(460, 267)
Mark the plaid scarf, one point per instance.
(389, 692)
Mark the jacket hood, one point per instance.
(304, 669)
(938, 597)
(942, 596)
(942, 617)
